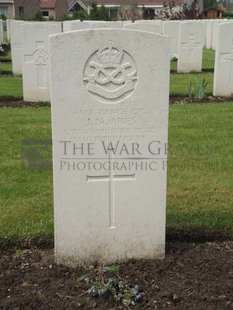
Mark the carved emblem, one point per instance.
(110, 74)
(40, 57)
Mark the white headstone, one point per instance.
(35, 59)
(110, 92)
(190, 46)
(71, 25)
(106, 25)
(204, 27)
(149, 27)
(171, 29)
(209, 30)
(8, 29)
(1, 32)
(16, 47)
(216, 22)
(223, 68)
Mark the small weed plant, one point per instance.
(197, 89)
(105, 282)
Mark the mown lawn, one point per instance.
(199, 194)
(5, 68)
(207, 61)
(11, 86)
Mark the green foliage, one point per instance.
(19, 253)
(98, 13)
(210, 4)
(197, 89)
(38, 16)
(129, 11)
(81, 15)
(106, 282)
(3, 17)
(228, 15)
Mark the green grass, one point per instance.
(5, 68)
(11, 86)
(25, 197)
(179, 83)
(207, 61)
(200, 197)
(6, 58)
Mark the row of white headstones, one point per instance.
(30, 55)
(109, 91)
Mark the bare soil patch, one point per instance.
(192, 276)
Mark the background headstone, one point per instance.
(8, 29)
(190, 46)
(99, 25)
(223, 68)
(16, 46)
(109, 86)
(1, 32)
(149, 27)
(216, 23)
(35, 59)
(71, 25)
(171, 29)
(209, 30)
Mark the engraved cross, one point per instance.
(40, 59)
(111, 178)
(190, 45)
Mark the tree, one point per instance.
(129, 11)
(186, 12)
(98, 13)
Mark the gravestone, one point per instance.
(1, 32)
(190, 47)
(78, 25)
(109, 95)
(223, 68)
(204, 34)
(71, 25)
(35, 59)
(98, 25)
(148, 27)
(8, 29)
(209, 30)
(216, 22)
(171, 29)
(16, 46)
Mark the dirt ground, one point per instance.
(192, 276)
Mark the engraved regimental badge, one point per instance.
(41, 57)
(110, 74)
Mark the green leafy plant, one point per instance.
(19, 253)
(197, 89)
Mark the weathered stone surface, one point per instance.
(110, 91)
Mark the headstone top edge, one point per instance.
(106, 30)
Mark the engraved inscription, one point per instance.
(110, 74)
